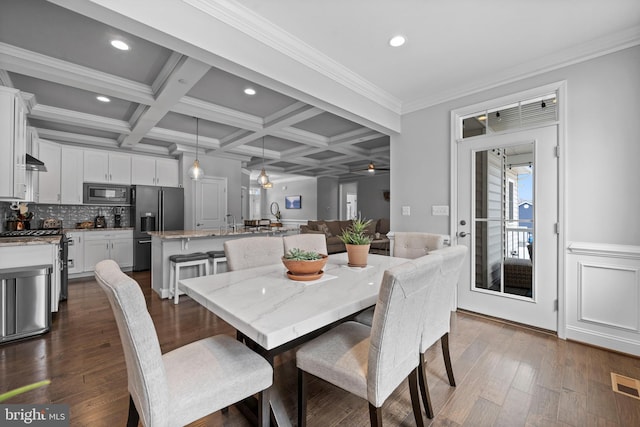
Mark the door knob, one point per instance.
(463, 234)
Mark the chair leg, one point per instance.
(264, 418)
(444, 340)
(175, 284)
(134, 417)
(375, 416)
(424, 387)
(302, 398)
(415, 397)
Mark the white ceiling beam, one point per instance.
(77, 118)
(184, 75)
(216, 113)
(44, 67)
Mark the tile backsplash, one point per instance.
(69, 214)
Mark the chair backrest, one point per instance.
(414, 245)
(146, 375)
(397, 325)
(250, 252)
(440, 304)
(306, 242)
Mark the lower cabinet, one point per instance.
(116, 245)
(75, 258)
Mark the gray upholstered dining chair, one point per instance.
(306, 242)
(415, 244)
(438, 321)
(250, 252)
(188, 383)
(371, 362)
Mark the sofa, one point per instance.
(332, 229)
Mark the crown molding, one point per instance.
(33, 64)
(564, 58)
(5, 79)
(264, 31)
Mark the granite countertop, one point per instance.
(29, 240)
(190, 234)
(70, 230)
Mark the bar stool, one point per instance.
(216, 257)
(187, 260)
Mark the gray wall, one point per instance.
(602, 151)
(303, 186)
(371, 203)
(328, 198)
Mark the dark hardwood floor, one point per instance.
(506, 375)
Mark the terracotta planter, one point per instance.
(305, 267)
(357, 255)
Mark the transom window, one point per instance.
(527, 113)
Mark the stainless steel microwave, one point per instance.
(106, 194)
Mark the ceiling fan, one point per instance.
(372, 169)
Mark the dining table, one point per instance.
(273, 313)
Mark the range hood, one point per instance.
(34, 164)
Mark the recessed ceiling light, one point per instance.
(102, 98)
(119, 44)
(397, 41)
(250, 91)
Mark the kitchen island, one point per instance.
(34, 251)
(167, 243)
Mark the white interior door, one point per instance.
(502, 277)
(210, 203)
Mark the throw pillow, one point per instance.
(325, 229)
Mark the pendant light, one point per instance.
(195, 171)
(263, 178)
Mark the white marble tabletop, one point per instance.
(271, 309)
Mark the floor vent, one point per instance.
(625, 385)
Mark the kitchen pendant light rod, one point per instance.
(195, 171)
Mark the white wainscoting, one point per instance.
(603, 295)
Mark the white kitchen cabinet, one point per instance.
(151, 171)
(71, 178)
(107, 167)
(13, 131)
(75, 259)
(113, 244)
(49, 181)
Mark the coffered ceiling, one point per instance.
(329, 90)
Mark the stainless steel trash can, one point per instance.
(25, 302)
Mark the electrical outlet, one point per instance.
(440, 210)
(406, 210)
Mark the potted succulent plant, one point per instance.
(304, 265)
(357, 241)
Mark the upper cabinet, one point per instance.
(49, 182)
(13, 131)
(151, 171)
(107, 167)
(71, 177)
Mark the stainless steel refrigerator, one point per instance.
(153, 209)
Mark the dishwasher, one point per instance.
(25, 302)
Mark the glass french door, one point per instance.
(507, 216)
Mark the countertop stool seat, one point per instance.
(216, 257)
(199, 259)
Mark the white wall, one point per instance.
(602, 152)
(216, 167)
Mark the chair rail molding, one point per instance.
(603, 295)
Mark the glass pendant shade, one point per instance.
(263, 178)
(195, 172)
(268, 185)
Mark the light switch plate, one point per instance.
(440, 210)
(406, 210)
